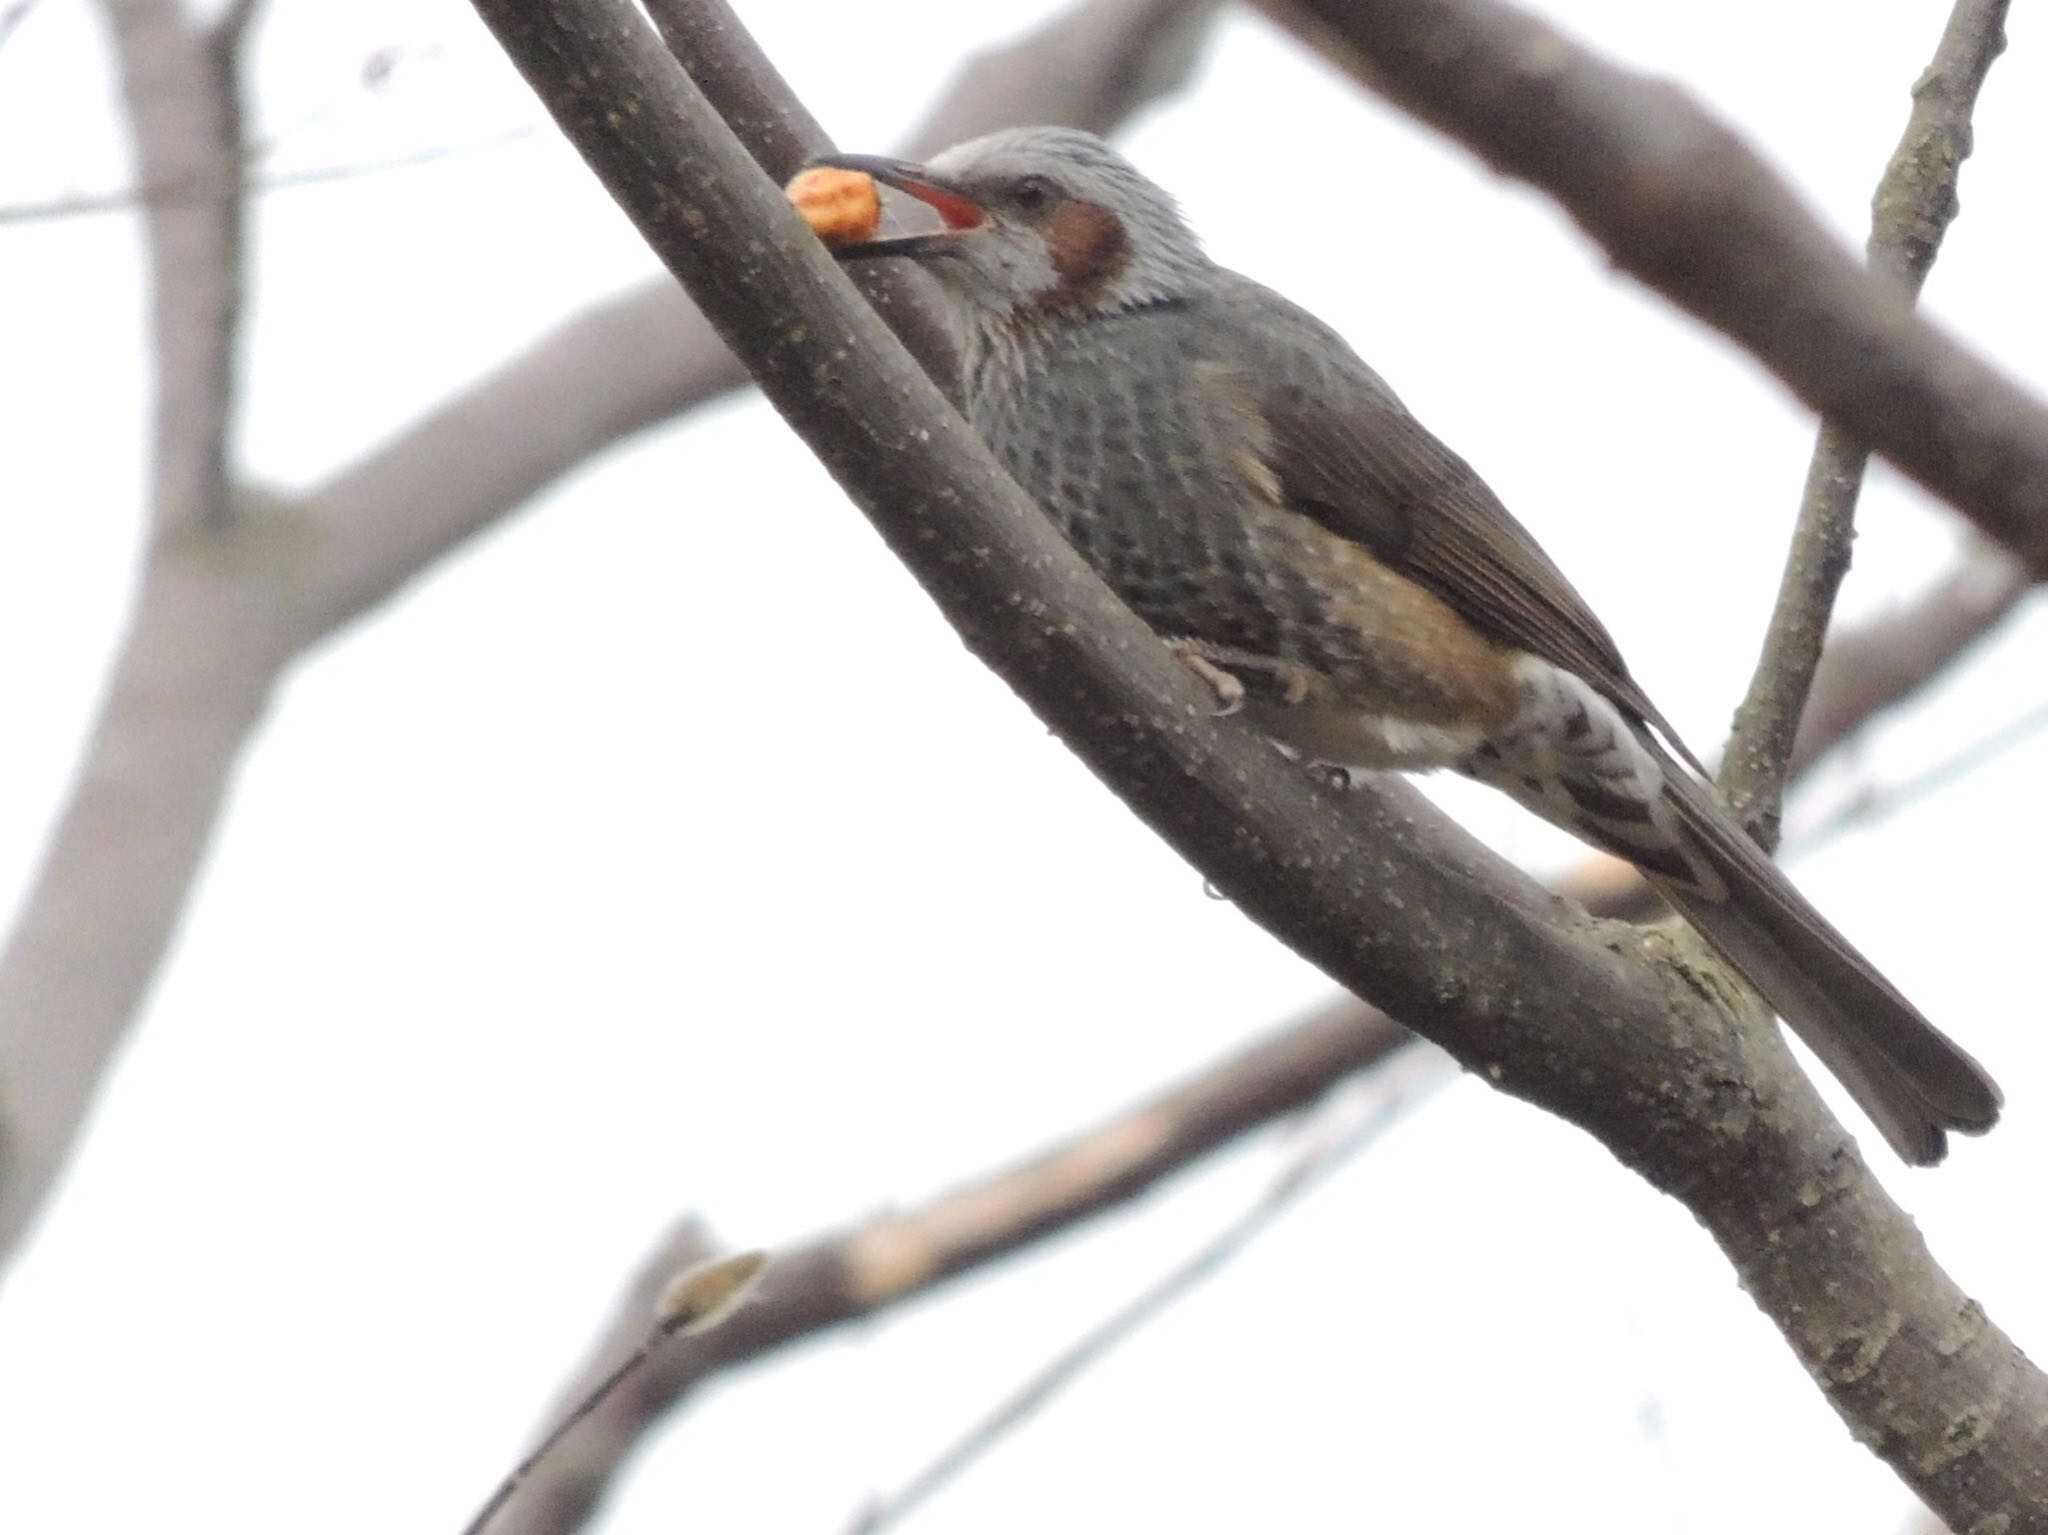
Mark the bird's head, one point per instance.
(1038, 223)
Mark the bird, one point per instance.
(1339, 577)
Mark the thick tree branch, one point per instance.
(1679, 200)
(708, 41)
(1898, 654)
(220, 615)
(1639, 1038)
(1915, 200)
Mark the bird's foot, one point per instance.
(1226, 686)
(1233, 675)
(1334, 775)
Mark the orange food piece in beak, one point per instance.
(842, 207)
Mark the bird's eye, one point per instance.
(1033, 193)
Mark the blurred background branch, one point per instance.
(1678, 199)
(204, 643)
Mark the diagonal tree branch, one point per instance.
(708, 40)
(1679, 200)
(1214, 1108)
(1916, 199)
(222, 613)
(1639, 1038)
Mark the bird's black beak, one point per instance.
(956, 210)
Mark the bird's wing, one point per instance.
(1347, 453)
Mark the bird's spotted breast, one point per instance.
(1157, 470)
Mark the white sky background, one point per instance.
(666, 852)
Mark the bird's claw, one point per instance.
(1334, 775)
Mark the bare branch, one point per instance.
(1610, 1029)
(185, 112)
(594, 1391)
(218, 619)
(844, 1276)
(1915, 200)
(1678, 199)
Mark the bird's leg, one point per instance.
(1226, 673)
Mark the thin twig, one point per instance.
(1914, 203)
(572, 1420)
(249, 184)
(1338, 1135)
(1679, 200)
(689, 1294)
(1880, 802)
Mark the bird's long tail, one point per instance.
(1914, 1082)
(1573, 759)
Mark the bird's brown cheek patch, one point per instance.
(1088, 248)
